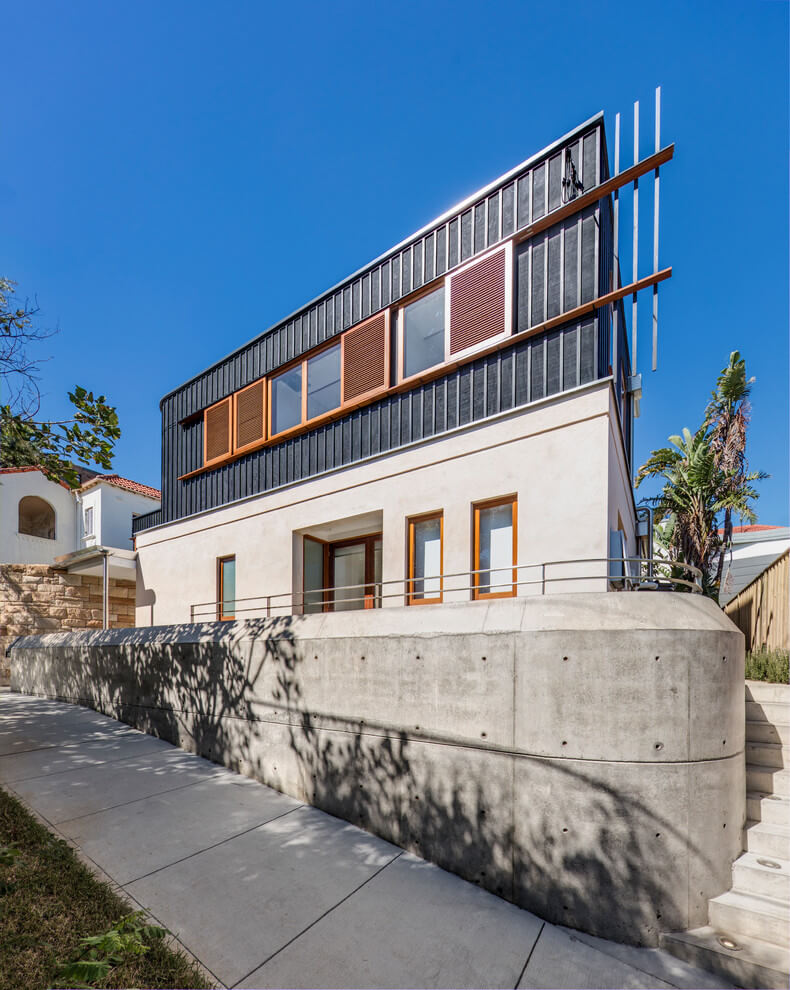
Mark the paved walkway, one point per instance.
(268, 892)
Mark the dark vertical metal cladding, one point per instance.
(466, 235)
(480, 228)
(523, 201)
(508, 210)
(567, 357)
(493, 218)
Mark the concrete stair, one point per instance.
(747, 939)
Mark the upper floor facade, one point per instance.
(506, 300)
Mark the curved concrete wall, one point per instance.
(581, 755)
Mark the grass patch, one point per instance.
(54, 912)
(768, 665)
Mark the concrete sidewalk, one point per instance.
(268, 892)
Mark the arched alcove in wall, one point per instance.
(36, 517)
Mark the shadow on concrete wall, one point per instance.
(554, 836)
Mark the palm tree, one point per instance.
(726, 419)
(706, 474)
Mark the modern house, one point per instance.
(451, 422)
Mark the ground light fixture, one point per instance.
(729, 943)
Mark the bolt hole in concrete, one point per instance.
(565, 830)
(659, 745)
(564, 658)
(485, 658)
(770, 863)
(483, 735)
(724, 825)
(658, 658)
(724, 659)
(658, 835)
(564, 742)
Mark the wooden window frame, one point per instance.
(309, 357)
(324, 544)
(235, 449)
(270, 435)
(411, 599)
(221, 590)
(369, 539)
(493, 503)
(222, 457)
(426, 290)
(510, 278)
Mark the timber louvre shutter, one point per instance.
(249, 416)
(217, 431)
(366, 358)
(478, 301)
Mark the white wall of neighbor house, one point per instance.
(554, 456)
(117, 508)
(21, 548)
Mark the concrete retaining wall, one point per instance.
(581, 755)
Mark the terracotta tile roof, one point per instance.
(752, 529)
(126, 483)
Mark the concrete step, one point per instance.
(767, 754)
(777, 712)
(766, 732)
(767, 839)
(738, 913)
(763, 691)
(769, 780)
(771, 808)
(752, 964)
(752, 874)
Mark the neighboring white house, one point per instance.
(753, 549)
(43, 521)
(108, 505)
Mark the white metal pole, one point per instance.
(655, 232)
(105, 591)
(635, 266)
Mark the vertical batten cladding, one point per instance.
(558, 270)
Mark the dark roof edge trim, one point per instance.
(442, 218)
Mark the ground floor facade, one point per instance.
(526, 502)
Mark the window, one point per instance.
(226, 588)
(88, 521)
(422, 333)
(286, 400)
(323, 382)
(425, 559)
(316, 563)
(495, 548)
(36, 517)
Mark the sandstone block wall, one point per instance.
(37, 598)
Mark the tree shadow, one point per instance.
(579, 843)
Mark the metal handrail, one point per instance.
(320, 596)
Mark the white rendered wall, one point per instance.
(555, 457)
(117, 507)
(19, 548)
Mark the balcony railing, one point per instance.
(588, 574)
(146, 520)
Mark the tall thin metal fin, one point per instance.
(655, 232)
(635, 268)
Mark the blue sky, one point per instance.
(177, 176)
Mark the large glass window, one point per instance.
(495, 548)
(286, 399)
(423, 333)
(226, 588)
(425, 559)
(314, 575)
(323, 382)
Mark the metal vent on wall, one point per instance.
(217, 431)
(249, 415)
(477, 302)
(366, 357)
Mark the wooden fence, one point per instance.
(760, 610)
